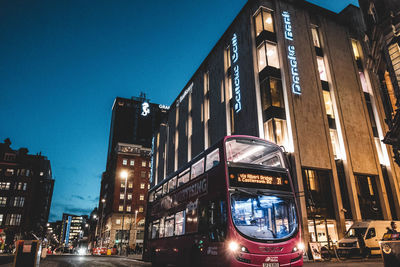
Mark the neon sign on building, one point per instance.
(145, 109)
(296, 89)
(236, 74)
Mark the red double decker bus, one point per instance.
(232, 205)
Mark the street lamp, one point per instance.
(124, 175)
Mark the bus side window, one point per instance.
(371, 233)
(155, 229)
(212, 159)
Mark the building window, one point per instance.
(4, 185)
(118, 221)
(335, 143)
(328, 104)
(128, 208)
(267, 56)
(264, 22)
(272, 93)
(315, 36)
(356, 49)
(41, 173)
(132, 162)
(143, 174)
(321, 69)
(19, 201)
(10, 172)
(3, 201)
(121, 196)
(122, 184)
(276, 131)
(1, 219)
(367, 191)
(141, 209)
(129, 196)
(130, 185)
(142, 186)
(24, 187)
(120, 208)
(141, 197)
(124, 162)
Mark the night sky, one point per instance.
(63, 62)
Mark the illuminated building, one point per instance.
(133, 123)
(72, 229)
(293, 73)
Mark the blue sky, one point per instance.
(63, 62)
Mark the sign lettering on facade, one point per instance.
(187, 90)
(145, 109)
(296, 89)
(236, 74)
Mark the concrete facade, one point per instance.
(330, 136)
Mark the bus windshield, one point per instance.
(253, 152)
(264, 217)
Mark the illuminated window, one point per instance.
(128, 208)
(141, 197)
(390, 89)
(264, 21)
(311, 179)
(335, 143)
(120, 208)
(118, 221)
(276, 131)
(124, 162)
(169, 226)
(321, 69)
(24, 187)
(143, 174)
(121, 196)
(1, 219)
(15, 219)
(143, 163)
(122, 184)
(130, 185)
(132, 162)
(272, 94)
(315, 36)
(267, 56)
(356, 49)
(328, 104)
(3, 201)
(5, 185)
(142, 186)
(141, 209)
(129, 196)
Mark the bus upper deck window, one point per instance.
(212, 159)
(158, 193)
(172, 184)
(197, 168)
(151, 197)
(165, 188)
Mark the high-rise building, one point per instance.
(72, 229)
(26, 190)
(293, 73)
(125, 182)
(382, 47)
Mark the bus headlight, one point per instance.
(299, 246)
(235, 247)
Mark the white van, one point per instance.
(371, 233)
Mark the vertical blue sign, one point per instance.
(67, 231)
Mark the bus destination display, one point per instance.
(258, 179)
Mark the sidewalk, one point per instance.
(375, 262)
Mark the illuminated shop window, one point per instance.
(267, 56)
(321, 69)
(264, 22)
(328, 104)
(276, 131)
(315, 36)
(271, 90)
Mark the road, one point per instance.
(113, 261)
(87, 261)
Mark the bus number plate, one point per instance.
(273, 264)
